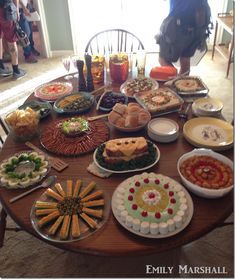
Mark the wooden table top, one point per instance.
(112, 239)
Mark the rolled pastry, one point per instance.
(93, 212)
(69, 188)
(48, 218)
(56, 225)
(41, 204)
(87, 189)
(46, 211)
(89, 220)
(54, 195)
(60, 189)
(93, 203)
(65, 227)
(92, 196)
(75, 226)
(77, 188)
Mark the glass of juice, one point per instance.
(97, 68)
(119, 67)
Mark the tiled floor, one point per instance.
(26, 256)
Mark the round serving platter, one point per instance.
(125, 184)
(85, 230)
(209, 132)
(52, 91)
(54, 140)
(33, 181)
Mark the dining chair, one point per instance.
(3, 132)
(3, 213)
(113, 40)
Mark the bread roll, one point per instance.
(133, 109)
(120, 108)
(133, 105)
(114, 116)
(131, 121)
(120, 122)
(143, 117)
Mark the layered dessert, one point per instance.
(151, 204)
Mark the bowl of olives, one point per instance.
(110, 99)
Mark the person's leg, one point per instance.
(17, 72)
(34, 51)
(24, 24)
(184, 65)
(163, 62)
(4, 71)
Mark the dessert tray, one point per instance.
(74, 103)
(43, 108)
(209, 132)
(152, 205)
(146, 162)
(133, 86)
(160, 101)
(190, 86)
(23, 169)
(52, 91)
(209, 174)
(56, 141)
(70, 211)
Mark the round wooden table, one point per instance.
(112, 239)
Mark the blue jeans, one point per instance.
(27, 28)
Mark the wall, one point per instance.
(58, 24)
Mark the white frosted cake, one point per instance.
(151, 204)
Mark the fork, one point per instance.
(56, 163)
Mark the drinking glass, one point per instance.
(119, 67)
(97, 69)
(67, 62)
(141, 61)
(74, 61)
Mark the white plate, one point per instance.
(126, 171)
(187, 221)
(200, 191)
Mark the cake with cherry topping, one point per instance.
(152, 204)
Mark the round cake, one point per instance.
(151, 204)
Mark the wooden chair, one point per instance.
(113, 40)
(3, 213)
(4, 131)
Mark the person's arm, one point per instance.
(25, 10)
(16, 2)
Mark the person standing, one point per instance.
(7, 29)
(29, 51)
(185, 30)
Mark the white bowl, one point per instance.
(163, 130)
(200, 191)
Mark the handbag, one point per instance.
(21, 35)
(10, 11)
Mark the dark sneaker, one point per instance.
(5, 72)
(17, 75)
(31, 59)
(35, 52)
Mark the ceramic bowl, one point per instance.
(163, 130)
(200, 191)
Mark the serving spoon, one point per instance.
(45, 184)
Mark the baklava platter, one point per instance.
(70, 211)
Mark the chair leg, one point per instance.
(3, 217)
